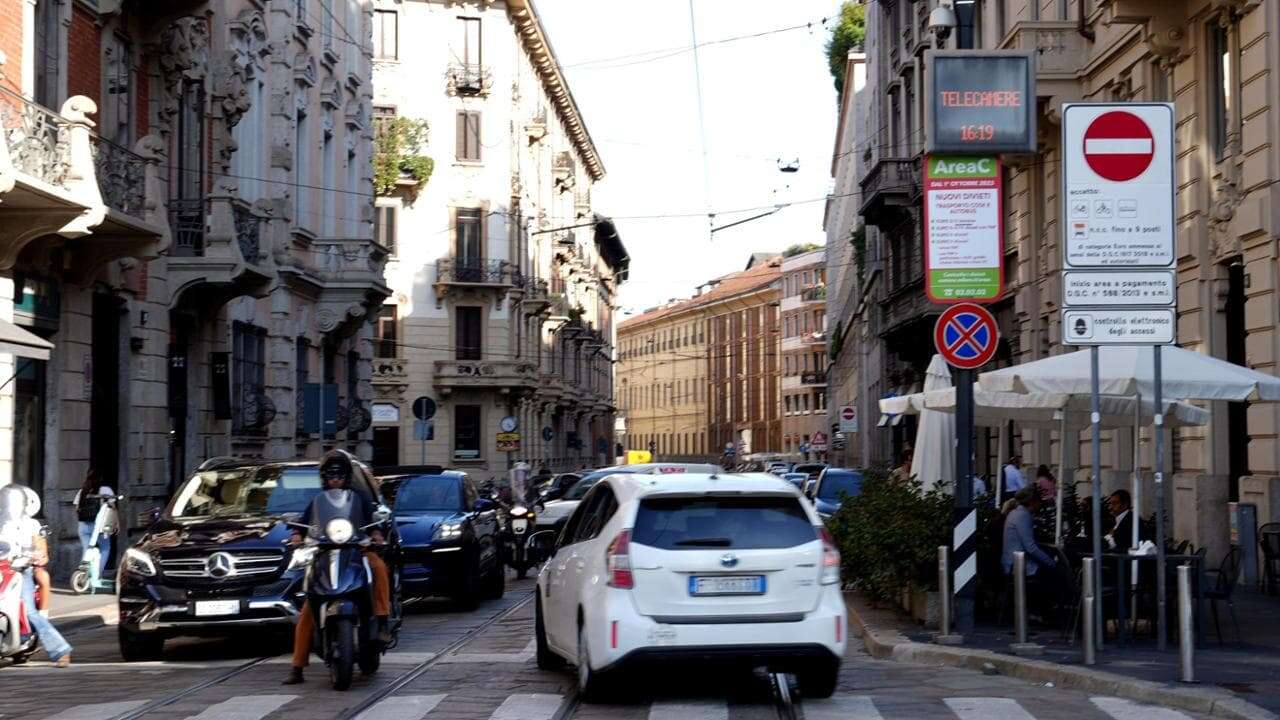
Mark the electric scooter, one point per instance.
(86, 578)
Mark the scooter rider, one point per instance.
(21, 533)
(335, 474)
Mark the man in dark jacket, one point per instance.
(1121, 506)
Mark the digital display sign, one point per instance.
(980, 101)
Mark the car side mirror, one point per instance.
(381, 514)
(541, 545)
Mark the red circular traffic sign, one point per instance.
(847, 413)
(1118, 146)
(966, 336)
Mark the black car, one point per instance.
(217, 559)
(557, 486)
(449, 534)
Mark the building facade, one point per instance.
(191, 231)
(1211, 59)
(504, 278)
(662, 382)
(803, 311)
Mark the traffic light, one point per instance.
(653, 447)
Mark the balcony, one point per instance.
(507, 376)
(891, 186)
(217, 251)
(814, 294)
(480, 274)
(1061, 53)
(536, 298)
(811, 377)
(351, 270)
(817, 337)
(563, 169)
(390, 376)
(536, 128)
(468, 80)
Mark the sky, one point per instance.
(764, 99)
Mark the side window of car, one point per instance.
(571, 526)
(603, 505)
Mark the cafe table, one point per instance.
(1122, 560)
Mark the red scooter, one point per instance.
(17, 641)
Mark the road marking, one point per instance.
(403, 707)
(688, 711)
(245, 707)
(1128, 710)
(985, 708)
(98, 711)
(526, 706)
(524, 656)
(856, 707)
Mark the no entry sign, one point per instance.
(1118, 146)
(966, 336)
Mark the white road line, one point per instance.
(402, 707)
(986, 708)
(689, 711)
(244, 707)
(98, 711)
(855, 707)
(525, 706)
(1128, 710)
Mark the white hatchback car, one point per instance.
(725, 568)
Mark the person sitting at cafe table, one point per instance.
(1019, 534)
(1121, 506)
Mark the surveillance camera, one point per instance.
(941, 21)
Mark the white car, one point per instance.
(718, 568)
(554, 514)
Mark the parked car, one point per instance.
(698, 568)
(449, 534)
(553, 515)
(795, 478)
(557, 486)
(831, 487)
(216, 559)
(810, 469)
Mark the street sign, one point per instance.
(508, 424)
(508, 442)
(424, 408)
(548, 434)
(819, 442)
(848, 419)
(1118, 183)
(966, 336)
(729, 449)
(980, 101)
(1130, 287)
(423, 430)
(1130, 326)
(963, 228)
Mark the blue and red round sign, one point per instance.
(966, 336)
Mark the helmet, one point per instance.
(13, 503)
(33, 501)
(337, 462)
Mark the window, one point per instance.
(246, 164)
(469, 52)
(684, 523)
(468, 146)
(354, 197)
(967, 37)
(302, 168)
(386, 35)
(384, 227)
(469, 332)
(467, 247)
(248, 376)
(328, 172)
(117, 91)
(1160, 83)
(48, 52)
(326, 23)
(301, 375)
(386, 345)
(1221, 97)
(466, 432)
(190, 139)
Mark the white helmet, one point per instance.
(13, 503)
(33, 501)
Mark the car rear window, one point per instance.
(702, 523)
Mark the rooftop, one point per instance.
(737, 283)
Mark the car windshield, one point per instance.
(836, 484)
(269, 490)
(429, 492)
(701, 523)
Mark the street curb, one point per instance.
(897, 647)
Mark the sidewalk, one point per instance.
(71, 612)
(1234, 681)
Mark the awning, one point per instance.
(16, 341)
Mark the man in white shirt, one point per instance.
(1014, 480)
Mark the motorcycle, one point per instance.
(519, 525)
(18, 641)
(339, 589)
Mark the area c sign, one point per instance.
(963, 228)
(980, 102)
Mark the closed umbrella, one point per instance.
(934, 462)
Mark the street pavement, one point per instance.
(479, 666)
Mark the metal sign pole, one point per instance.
(1095, 420)
(1161, 618)
(965, 535)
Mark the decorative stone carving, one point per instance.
(330, 95)
(326, 319)
(1227, 198)
(183, 54)
(304, 69)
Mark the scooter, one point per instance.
(520, 523)
(17, 640)
(85, 578)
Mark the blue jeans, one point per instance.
(50, 638)
(104, 545)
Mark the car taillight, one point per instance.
(618, 562)
(830, 558)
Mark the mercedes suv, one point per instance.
(217, 559)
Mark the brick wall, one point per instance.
(84, 55)
(11, 43)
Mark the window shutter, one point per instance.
(460, 151)
(473, 119)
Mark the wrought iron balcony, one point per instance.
(33, 134)
(810, 377)
(814, 294)
(468, 79)
(471, 271)
(217, 251)
(186, 227)
(122, 177)
(892, 185)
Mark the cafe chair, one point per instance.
(1224, 581)
(1269, 539)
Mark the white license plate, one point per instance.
(726, 585)
(519, 526)
(206, 608)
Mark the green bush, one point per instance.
(889, 535)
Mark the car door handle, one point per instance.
(580, 564)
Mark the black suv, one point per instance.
(217, 559)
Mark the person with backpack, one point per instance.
(88, 502)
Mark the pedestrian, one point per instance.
(22, 535)
(1047, 484)
(88, 501)
(1014, 480)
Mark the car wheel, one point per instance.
(547, 660)
(136, 647)
(592, 685)
(819, 682)
(467, 593)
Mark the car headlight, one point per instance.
(301, 557)
(339, 530)
(519, 510)
(139, 563)
(449, 531)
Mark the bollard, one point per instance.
(945, 636)
(1020, 645)
(1186, 627)
(1087, 601)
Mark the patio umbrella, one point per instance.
(934, 462)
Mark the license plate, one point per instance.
(206, 608)
(726, 585)
(519, 526)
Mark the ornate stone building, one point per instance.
(198, 253)
(504, 277)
